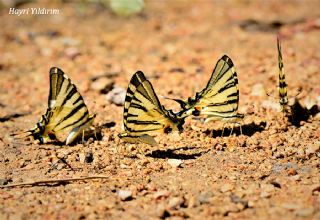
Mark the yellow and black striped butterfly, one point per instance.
(67, 115)
(219, 99)
(143, 114)
(283, 97)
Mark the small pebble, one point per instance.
(175, 163)
(89, 157)
(291, 172)
(124, 195)
(226, 188)
(161, 194)
(290, 206)
(82, 157)
(176, 203)
(204, 198)
(309, 102)
(162, 212)
(296, 177)
(102, 84)
(304, 212)
(193, 202)
(301, 154)
(258, 90)
(72, 52)
(250, 204)
(116, 95)
(175, 137)
(268, 104)
(316, 189)
(266, 190)
(312, 149)
(3, 182)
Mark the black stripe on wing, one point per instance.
(76, 123)
(56, 81)
(219, 71)
(143, 122)
(70, 94)
(141, 107)
(147, 91)
(137, 78)
(133, 130)
(228, 60)
(135, 81)
(225, 103)
(73, 111)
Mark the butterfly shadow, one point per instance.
(11, 116)
(247, 129)
(171, 154)
(300, 113)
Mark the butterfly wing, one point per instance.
(221, 96)
(69, 112)
(143, 113)
(67, 115)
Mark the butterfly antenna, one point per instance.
(299, 92)
(22, 134)
(179, 101)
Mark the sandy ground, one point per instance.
(271, 171)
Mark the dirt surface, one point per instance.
(271, 171)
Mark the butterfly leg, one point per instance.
(224, 126)
(239, 125)
(117, 140)
(231, 129)
(95, 133)
(83, 137)
(211, 133)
